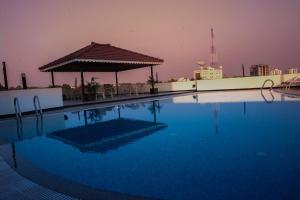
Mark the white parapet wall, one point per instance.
(251, 82)
(176, 86)
(170, 86)
(231, 96)
(239, 83)
(49, 98)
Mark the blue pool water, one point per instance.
(177, 148)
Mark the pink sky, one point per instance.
(35, 32)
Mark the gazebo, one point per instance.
(101, 58)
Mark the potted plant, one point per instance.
(92, 88)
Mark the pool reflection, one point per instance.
(104, 135)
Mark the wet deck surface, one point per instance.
(74, 105)
(114, 99)
(292, 92)
(14, 186)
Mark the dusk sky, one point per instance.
(35, 32)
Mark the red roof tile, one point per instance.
(102, 53)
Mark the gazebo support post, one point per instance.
(5, 76)
(52, 79)
(117, 83)
(82, 85)
(152, 81)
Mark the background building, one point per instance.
(197, 75)
(208, 73)
(213, 71)
(259, 70)
(292, 71)
(183, 79)
(276, 71)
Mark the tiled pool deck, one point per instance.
(15, 186)
(123, 98)
(73, 105)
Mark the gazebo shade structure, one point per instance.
(101, 58)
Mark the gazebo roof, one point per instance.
(100, 58)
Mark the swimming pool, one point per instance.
(218, 145)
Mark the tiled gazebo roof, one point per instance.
(101, 58)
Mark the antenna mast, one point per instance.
(213, 52)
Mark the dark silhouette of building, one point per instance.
(259, 70)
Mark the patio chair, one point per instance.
(100, 92)
(67, 93)
(108, 90)
(76, 93)
(127, 89)
(140, 88)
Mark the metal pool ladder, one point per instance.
(270, 89)
(290, 82)
(37, 106)
(17, 108)
(268, 80)
(19, 118)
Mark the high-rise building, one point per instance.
(259, 70)
(292, 71)
(276, 71)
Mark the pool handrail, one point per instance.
(267, 80)
(17, 108)
(270, 89)
(37, 106)
(290, 82)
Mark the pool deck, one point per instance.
(74, 106)
(292, 92)
(78, 104)
(14, 186)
